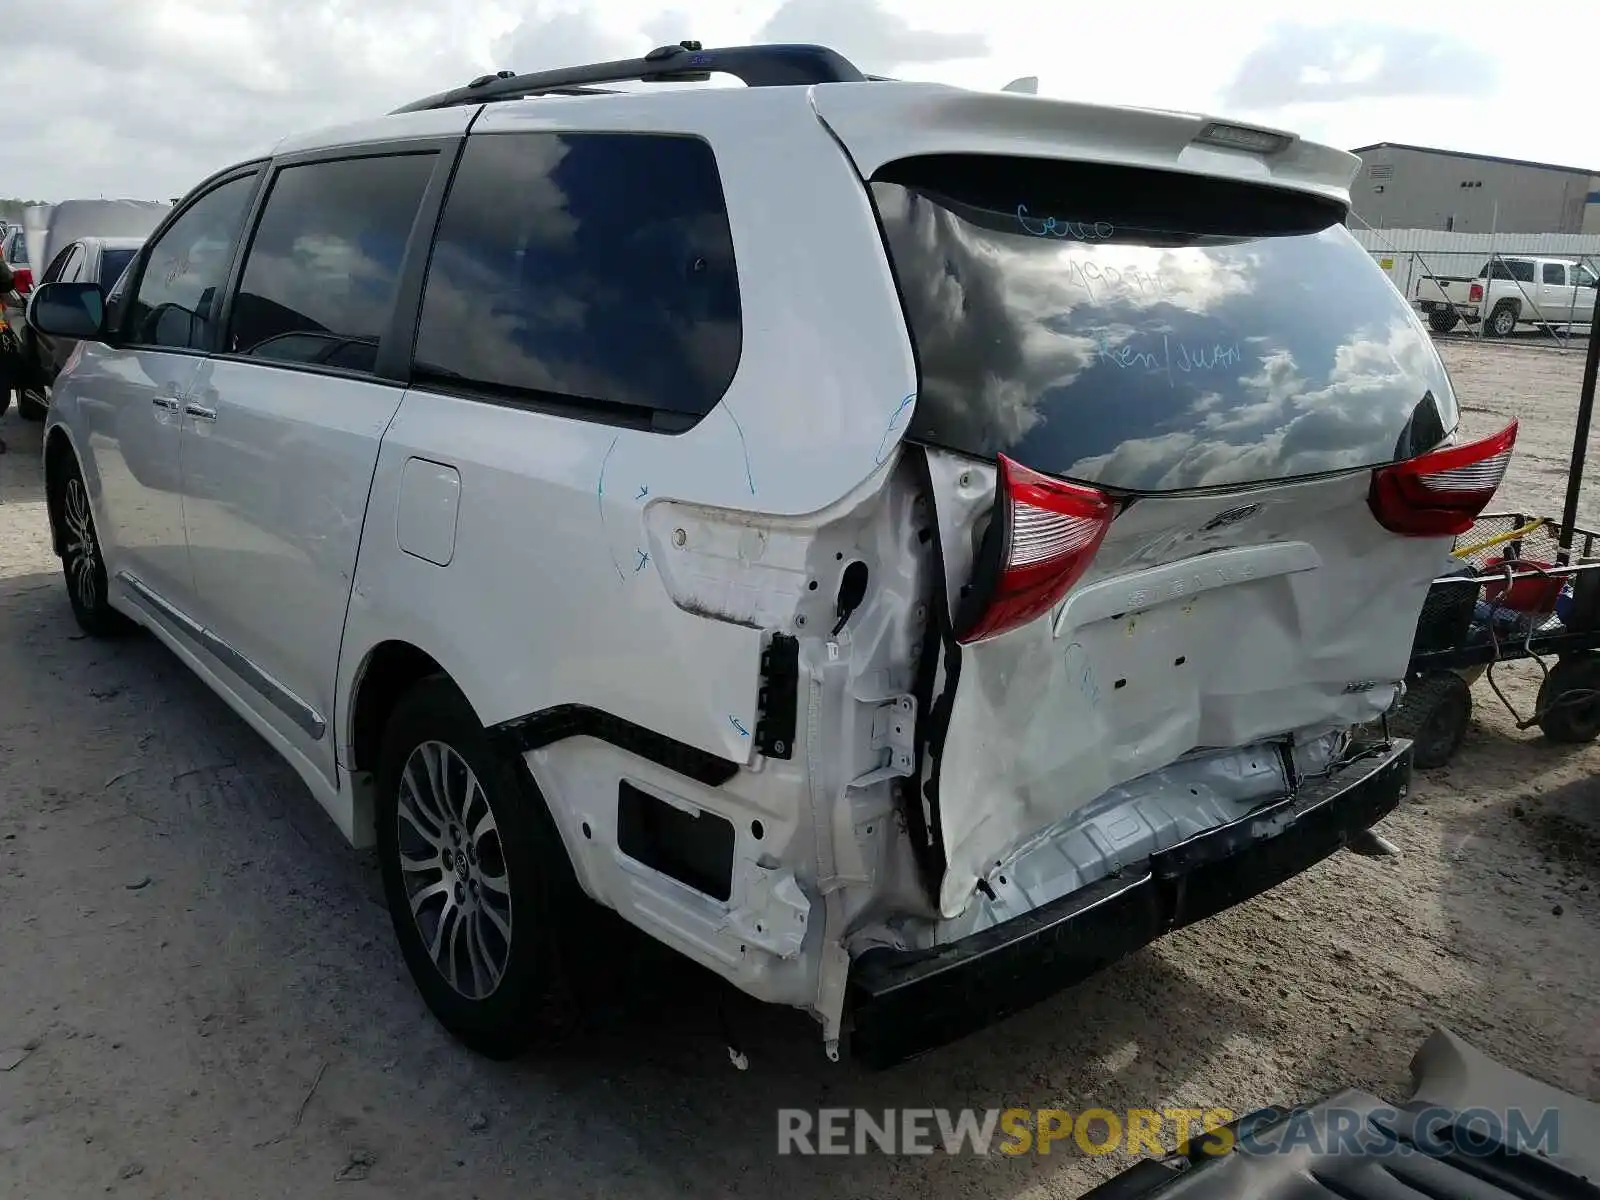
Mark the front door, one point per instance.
(282, 430)
(1555, 293)
(132, 396)
(1583, 291)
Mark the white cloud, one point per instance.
(144, 99)
(1311, 64)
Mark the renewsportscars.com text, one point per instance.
(1432, 1132)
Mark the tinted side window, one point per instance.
(185, 267)
(1555, 273)
(319, 278)
(57, 270)
(73, 271)
(594, 267)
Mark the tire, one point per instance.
(1503, 320)
(1434, 714)
(1443, 320)
(1576, 722)
(507, 883)
(32, 404)
(82, 562)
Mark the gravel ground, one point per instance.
(199, 995)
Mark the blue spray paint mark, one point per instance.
(644, 557)
(894, 419)
(737, 724)
(643, 492)
(743, 446)
(600, 484)
(600, 503)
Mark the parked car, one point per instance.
(1541, 291)
(100, 260)
(14, 249)
(904, 548)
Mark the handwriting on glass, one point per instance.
(1186, 357)
(1090, 275)
(1077, 231)
(179, 268)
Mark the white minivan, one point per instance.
(902, 547)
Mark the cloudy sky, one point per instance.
(143, 98)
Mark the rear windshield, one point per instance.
(1146, 331)
(112, 264)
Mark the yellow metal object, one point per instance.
(1498, 539)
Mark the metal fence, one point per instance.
(1412, 256)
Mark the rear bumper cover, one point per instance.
(906, 1001)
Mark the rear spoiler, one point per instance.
(878, 125)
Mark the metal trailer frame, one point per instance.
(1438, 704)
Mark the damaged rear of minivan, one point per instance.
(1193, 465)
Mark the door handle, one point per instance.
(170, 403)
(200, 413)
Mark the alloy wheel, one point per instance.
(83, 552)
(453, 865)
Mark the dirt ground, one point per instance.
(199, 994)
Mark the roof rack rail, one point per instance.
(755, 66)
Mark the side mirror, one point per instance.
(68, 310)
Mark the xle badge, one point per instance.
(1232, 517)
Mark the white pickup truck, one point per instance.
(1540, 291)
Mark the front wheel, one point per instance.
(81, 560)
(478, 883)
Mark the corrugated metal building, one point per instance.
(1418, 187)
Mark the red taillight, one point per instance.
(1441, 493)
(1475, 294)
(22, 279)
(1047, 532)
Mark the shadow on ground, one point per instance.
(1505, 901)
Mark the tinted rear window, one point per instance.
(1519, 270)
(1148, 331)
